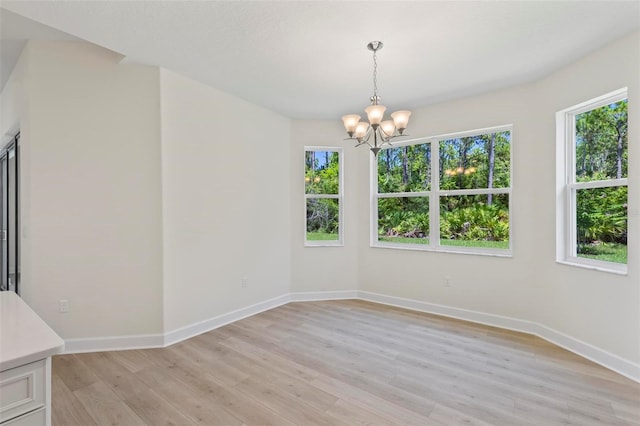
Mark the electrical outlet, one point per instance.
(447, 281)
(63, 306)
(244, 282)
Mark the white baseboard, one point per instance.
(448, 311)
(115, 343)
(586, 350)
(310, 296)
(608, 360)
(192, 330)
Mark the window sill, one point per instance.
(594, 267)
(324, 244)
(456, 250)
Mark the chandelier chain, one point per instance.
(375, 75)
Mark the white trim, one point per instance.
(480, 251)
(113, 343)
(310, 296)
(606, 99)
(195, 329)
(595, 265)
(604, 358)
(611, 183)
(448, 311)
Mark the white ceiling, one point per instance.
(308, 59)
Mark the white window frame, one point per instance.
(434, 197)
(339, 196)
(566, 185)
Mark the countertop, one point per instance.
(24, 337)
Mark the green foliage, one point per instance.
(403, 217)
(601, 143)
(322, 176)
(405, 169)
(322, 172)
(477, 222)
(322, 236)
(323, 215)
(473, 162)
(602, 154)
(601, 215)
(481, 161)
(610, 252)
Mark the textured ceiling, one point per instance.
(308, 59)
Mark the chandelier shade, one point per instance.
(378, 131)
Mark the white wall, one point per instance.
(598, 308)
(323, 268)
(91, 197)
(501, 286)
(226, 202)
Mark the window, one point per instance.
(448, 193)
(10, 216)
(323, 196)
(592, 183)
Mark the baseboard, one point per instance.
(115, 343)
(310, 296)
(192, 330)
(586, 350)
(448, 311)
(599, 356)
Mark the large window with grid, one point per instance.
(448, 193)
(323, 196)
(593, 158)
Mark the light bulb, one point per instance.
(361, 130)
(388, 128)
(350, 122)
(401, 120)
(375, 114)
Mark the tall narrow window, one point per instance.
(323, 196)
(592, 183)
(9, 217)
(448, 193)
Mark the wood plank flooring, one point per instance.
(343, 363)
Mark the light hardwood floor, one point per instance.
(344, 363)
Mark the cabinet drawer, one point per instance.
(22, 389)
(34, 418)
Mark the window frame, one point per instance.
(567, 187)
(436, 193)
(339, 196)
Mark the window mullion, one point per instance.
(599, 184)
(434, 198)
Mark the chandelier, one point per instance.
(376, 133)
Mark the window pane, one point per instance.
(321, 173)
(323, 219)
(601, 221)
(403, 220)
(601, 143)
(405, 169)
(475, 221)
(481, 161)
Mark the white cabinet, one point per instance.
(26, 346)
